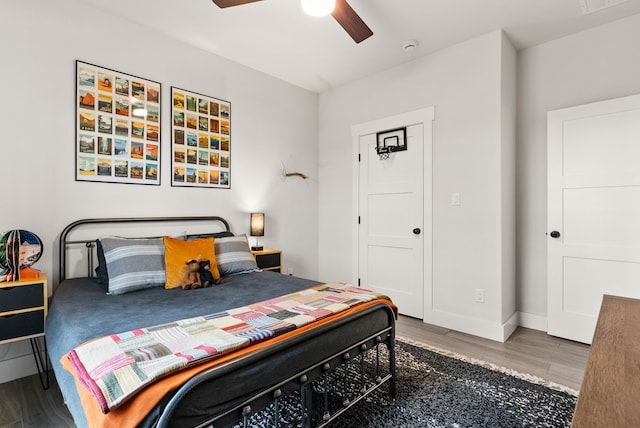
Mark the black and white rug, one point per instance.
(435, 388)
(439, 390)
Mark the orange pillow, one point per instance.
(177, 252)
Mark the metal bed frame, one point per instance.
(347, 376)
(90, 243)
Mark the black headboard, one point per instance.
(65, 241)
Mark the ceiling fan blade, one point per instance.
(229, 3)
(351, 21)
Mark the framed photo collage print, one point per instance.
(118, 122)
(117, 126)
(200, 132)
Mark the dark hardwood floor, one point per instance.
(23, 402)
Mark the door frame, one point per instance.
(555, 326)
(424, 116)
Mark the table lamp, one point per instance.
(257, 229)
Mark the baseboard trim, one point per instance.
(16, 368)
(478, 327)
(533, 321)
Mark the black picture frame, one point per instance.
(118, 117)
(200, 140)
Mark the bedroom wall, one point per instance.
(273, 122)
(594, 65)
(471, 147)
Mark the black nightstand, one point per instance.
(23, 310)
(268, 259)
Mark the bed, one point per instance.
(305, 377)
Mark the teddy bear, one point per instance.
(206, 277)
(192, 275)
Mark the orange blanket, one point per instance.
(135, 409)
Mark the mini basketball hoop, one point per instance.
(393, 140)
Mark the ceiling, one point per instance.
(277, 38)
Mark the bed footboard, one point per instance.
(308, 380)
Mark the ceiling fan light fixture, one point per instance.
(318, 7)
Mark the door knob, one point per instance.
(416, 231)
(555, 234)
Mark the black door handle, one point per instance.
(555, 234)
(416, 231)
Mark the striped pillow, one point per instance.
(133, 264)
(234, 256)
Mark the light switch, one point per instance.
(455, 199)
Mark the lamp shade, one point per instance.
(257, 224)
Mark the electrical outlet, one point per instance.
(290, 271)
(480, 295)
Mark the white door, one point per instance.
(593, 212)
(391, 210)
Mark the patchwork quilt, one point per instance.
(113, 368)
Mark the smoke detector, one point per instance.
(409, 45)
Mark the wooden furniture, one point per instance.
(23, 309)
(269, 259)
(610, 392)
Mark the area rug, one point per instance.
(441, 389)
(435, 388)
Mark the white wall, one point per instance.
(464, 83)
(594, 65)
(507, 182)
(272, 122)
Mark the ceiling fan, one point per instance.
(343, 13)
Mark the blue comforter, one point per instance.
(81, 311)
